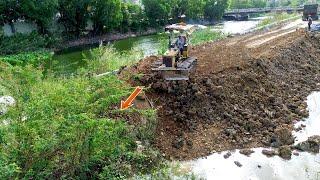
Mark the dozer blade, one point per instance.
(182, 72)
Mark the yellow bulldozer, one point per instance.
(176, 64)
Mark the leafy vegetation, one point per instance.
(107, 59)
(214, 9)
(36, 58)
(41, 13)
(25, 43)
(205, 35)
(60, 128)
(106, 15)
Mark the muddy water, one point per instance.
(258, 166)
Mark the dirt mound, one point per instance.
(238, 98)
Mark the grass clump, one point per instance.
(35, 58)
(106, 58)
(205, 35)
(276, 18)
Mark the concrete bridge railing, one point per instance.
(261, 10)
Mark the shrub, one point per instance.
(106, 59)
(205, 35)
(56, 129)
(35, 58)
(25, 43)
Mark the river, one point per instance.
(69, 60)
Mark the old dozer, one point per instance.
(176, 64)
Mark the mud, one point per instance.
(238, 98)
(310, 145)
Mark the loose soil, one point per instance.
(242, 95)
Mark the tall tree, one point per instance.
(74, 14)
(214, 9)
(10, 11)
(106, 15)
(195, 9)
(157, 11)
(41, 12)
(133, 17)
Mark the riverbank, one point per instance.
(103, 39)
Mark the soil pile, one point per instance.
(239, 97)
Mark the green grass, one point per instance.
(276, 18)
(106, 59)
(205, 35)
(35, 58)
(60, 128)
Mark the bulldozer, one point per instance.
(176, 64)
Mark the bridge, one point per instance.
(243, 14)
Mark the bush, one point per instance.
(25, 43)
(205, 35)
(106, 59)
(275, 18)
(35, 58)
(56, 129)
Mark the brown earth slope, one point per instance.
(243, 94)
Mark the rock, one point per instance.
(246, 152)
(285, 152)
(259, 166)
(298, 129)
(296, 153)
(269, 153)
(140, 147)
(189, 143)
(227, 155)
(282, 136)
(230, 132)
(311, 145)
(238, 163)
(6, 101)
(178, 143)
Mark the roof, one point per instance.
(180, 27)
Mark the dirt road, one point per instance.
(246, 92)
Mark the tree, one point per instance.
(258, 3)
(241, 4)
(10, 12)
(157, 11)
(105, 14)
(178, 8)
(133, 17)
(74, 14)
(214, 9)
(195, 9)
(41, 12)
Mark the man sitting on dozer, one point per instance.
(181, 41)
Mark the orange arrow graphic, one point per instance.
(126, 104)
